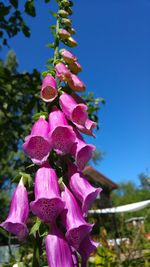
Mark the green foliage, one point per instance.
(12, 20)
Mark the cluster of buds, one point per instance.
(61, 205)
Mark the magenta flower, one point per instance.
(68, 56)
(83, 190)
(48, 204)
(87, 246)
(77, 227)
(57, 249)
(77, 113)
(61, 134)
(63, 34)
(62, 72)
(76, 84)
(49, 91)
(81, 151)
(75, 67)
(37, 145)
(18, 213)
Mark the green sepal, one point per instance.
(36, 116)
(35, 227)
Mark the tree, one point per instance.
(11, 18)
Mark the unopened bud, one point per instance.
(63, 13)
(71, 42)
(66, 22)
(66, 3)
(71, 30)
(63, 34)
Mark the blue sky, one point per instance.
(114, 50)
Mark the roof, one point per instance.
(124, 208)
(92, 174)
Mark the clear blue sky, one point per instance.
(114, 50)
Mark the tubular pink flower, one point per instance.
(61, 134)
(83, 191)
(62, 72)
(37, 145)
(77, 113)
(48, 204)
(75, 67)
(57, 249)
(18, 213)
(63, 34)
(77, 227)
(81, 151)
(49, 91)
(87, 246)
(76, 84)
(68, 56)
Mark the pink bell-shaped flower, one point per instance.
(18, 213)
(77, 227)
(76, 112)
(61, 134)
(62, 72)
(48, 203)
(37, 145)
(86, 247)
(81, 151)
(83, 190)
(49, 89)
(68, 56)
(75, 83)
(57, 249)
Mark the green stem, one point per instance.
(36, 252)
(56, 43)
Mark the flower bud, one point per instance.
(63, 34)
(71, 42)
(66, 3)
(68, 56)
(71, 30)
(76, 84)
(49, 91)
(63, 13)
(66, 22)
(75, 67)
(62, 72)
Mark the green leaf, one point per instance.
(35, 227)
(14, 3)
(52, 45)
(50, 60)
(26, 31)
(53, 14)
(30, 8)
